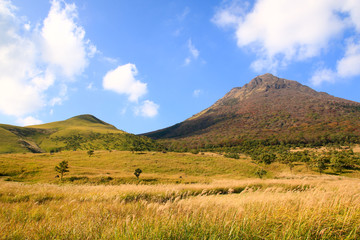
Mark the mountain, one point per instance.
(80, 132)
(269, 108)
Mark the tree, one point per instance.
(267, 158)
(260, 172)
(137, 172)
(291, 165)
(62, 168)
(90, 152)
(320, 164)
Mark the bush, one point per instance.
(232, 155)
(260, 173)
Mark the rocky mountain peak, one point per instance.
(267, 83)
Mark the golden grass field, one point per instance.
(216, 198)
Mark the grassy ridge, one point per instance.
(278, 209)
(80, 132)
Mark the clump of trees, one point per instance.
(232, 155)
(107, 141)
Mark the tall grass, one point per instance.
(319, 208)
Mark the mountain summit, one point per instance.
(269, 107)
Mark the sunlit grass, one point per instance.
(178, 196)
(119, 166)
(316, 208)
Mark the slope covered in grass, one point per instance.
(81, 123)
(80, 132)
(117, 167)
(9, 142)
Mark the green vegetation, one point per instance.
(9, 142)
(260, 172)
(157, 167)
(84, 132)
(62, 168)
(117, 167)
(137, 173)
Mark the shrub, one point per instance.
(232, 155)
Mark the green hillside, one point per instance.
(82, 132)
(81, 123)
(9, 142)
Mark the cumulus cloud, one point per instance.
(147, 109)
(28, 121)
(122, 81)
(280, 32)
(64, 44)
(33, 59)
(323, 75)
(20, 92)
(348, 66)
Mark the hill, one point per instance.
(79, 132)
(269, 109)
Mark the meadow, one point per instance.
(178, 196)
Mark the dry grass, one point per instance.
(120, 165)
(308, 208)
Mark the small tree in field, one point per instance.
(260, 172)
(137, 172)
(62, 168)
(90, 152)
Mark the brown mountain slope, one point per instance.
(270, 108)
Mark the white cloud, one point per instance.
(194, 53)
(281, 31)
(90, 86)
(346, 67)
(147, 109)
(18, 94)
(181, 17)
(349, 65)
(187, 61)
(28, 121)
(64, 44)
(32, 59)
(55, 101)
(110, 60)
(197, 92)
(323, 75)
(230, 14)
(122, 80)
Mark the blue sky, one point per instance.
(144, 65)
